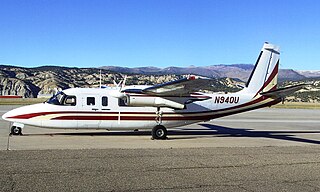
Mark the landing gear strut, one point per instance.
(159, 132)
(158, 116)
(16, 130)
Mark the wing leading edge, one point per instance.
(178, 88)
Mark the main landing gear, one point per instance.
(159, 131)
(16, 130)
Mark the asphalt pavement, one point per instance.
(263, 150)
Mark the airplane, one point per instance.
(158, 107)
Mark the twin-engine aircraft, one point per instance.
(157, 107)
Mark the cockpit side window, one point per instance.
(70, 100)
(63, 99)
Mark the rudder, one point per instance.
(264, 76)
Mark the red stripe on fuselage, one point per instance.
(31, 115)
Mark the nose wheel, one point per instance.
(16, 130)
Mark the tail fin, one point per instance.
(265, 73)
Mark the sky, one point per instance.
(159, 33)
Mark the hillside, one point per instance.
(31, 82)
(310, 94)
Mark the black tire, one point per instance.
(159, 132)
(16, 130)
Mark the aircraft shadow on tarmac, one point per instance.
(207, 130)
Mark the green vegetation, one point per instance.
(307, 96)
(297, 105)
(310, 94)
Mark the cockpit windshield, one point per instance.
(62, 99)
(57, 99)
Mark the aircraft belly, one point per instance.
(37, 123)
(130, 125)
(63, 124)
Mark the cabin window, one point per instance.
(104, 101)
(70, 100)
(91, 101)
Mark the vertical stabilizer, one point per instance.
(265, 73)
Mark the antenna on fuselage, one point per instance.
(100, 79)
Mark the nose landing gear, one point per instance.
(16, 130)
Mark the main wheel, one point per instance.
(159, 132)
(16, 130)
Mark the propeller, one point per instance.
(117, 93)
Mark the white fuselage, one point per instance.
(94, 108)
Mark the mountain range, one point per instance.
(31, 82)
(236, 71)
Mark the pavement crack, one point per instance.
(290, 164)
(181, 187)
(13, 183)
(157, 169)
(240, 166)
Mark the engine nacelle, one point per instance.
(117, 94)
(135, 101)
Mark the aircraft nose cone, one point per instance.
(5, 116)
(8, 115)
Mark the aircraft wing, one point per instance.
(178, 88)
(283, 92)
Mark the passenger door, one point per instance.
(89, 112)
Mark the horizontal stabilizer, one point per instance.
(283, 92)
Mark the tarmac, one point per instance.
(263, 150)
